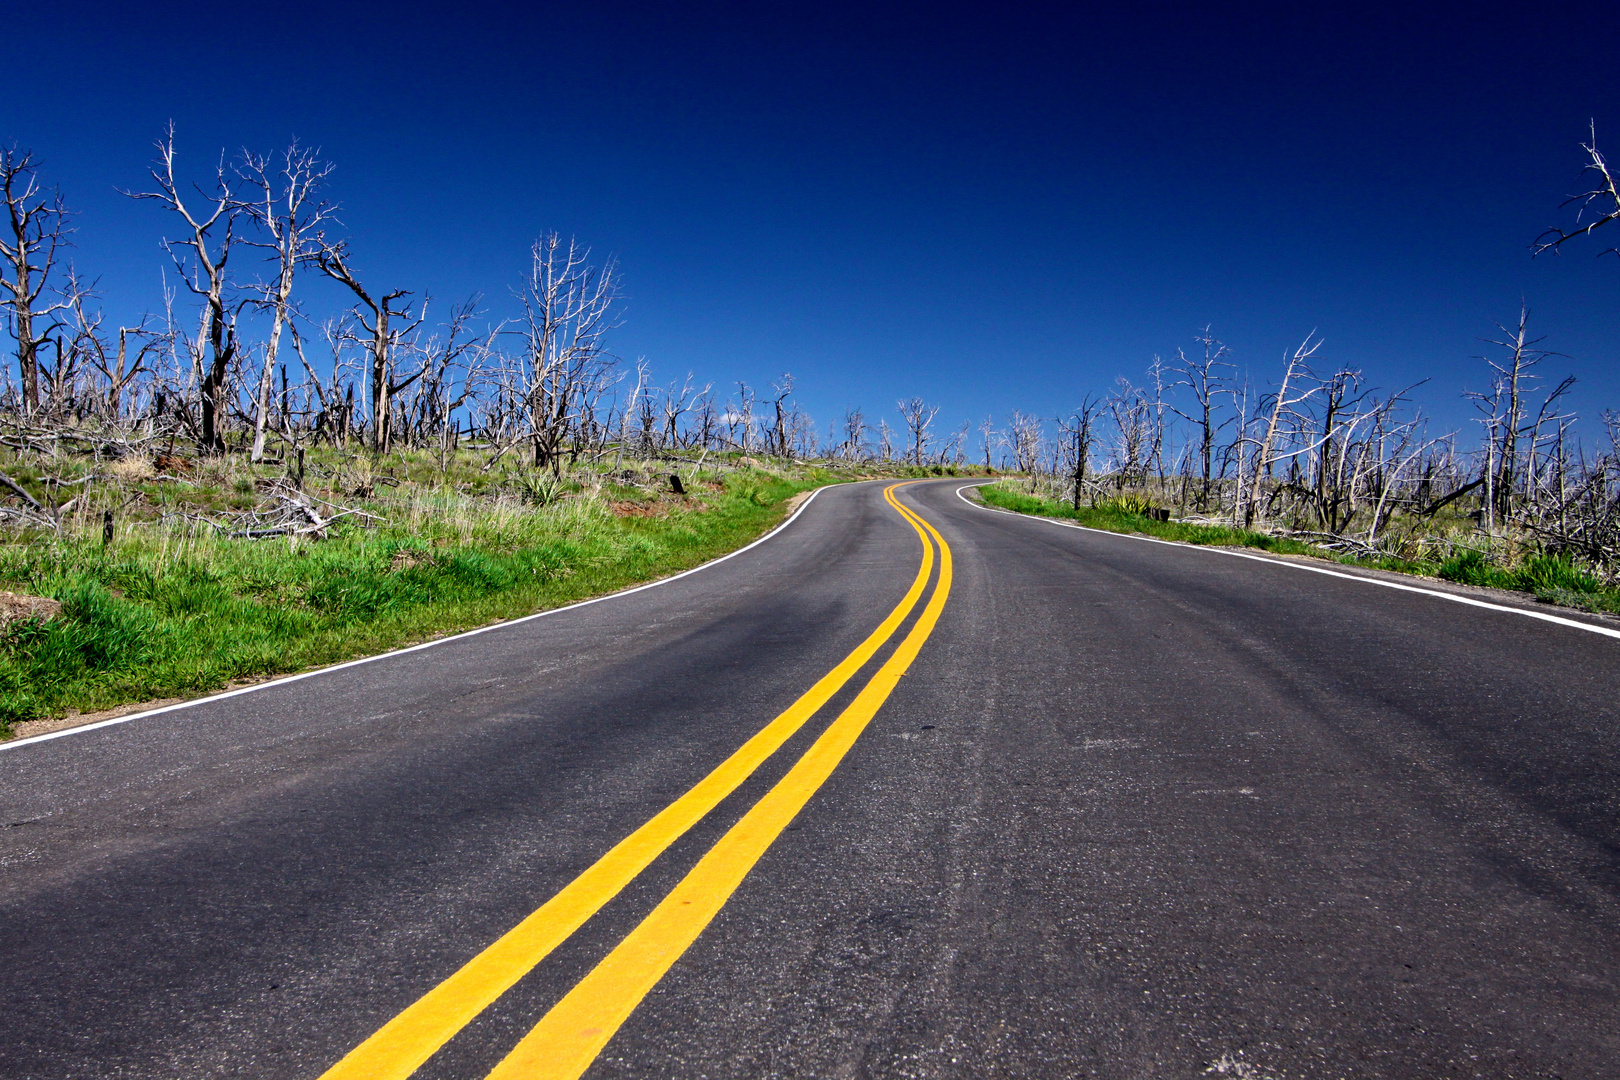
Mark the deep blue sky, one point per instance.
(993, 208)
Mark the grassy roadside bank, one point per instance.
(175, 606)
(1546, 577)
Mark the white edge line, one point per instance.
(1453, 597)
(284, 680)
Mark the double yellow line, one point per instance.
(569, 1037)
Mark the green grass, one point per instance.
(166, 611)
(1124, 516)
(1550, 578)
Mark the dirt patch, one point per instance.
(798, 500)
(173, 463)
(635, 509)
(16, 608)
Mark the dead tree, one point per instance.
(336, 417)
(854, 441)
(1024, 435)
(676, 403)
(919, 418)
(568, 307)
(1209, 378)
(643, 376)
(36, 230)
(1132, 415)
(649, 440)
(799, 430)
(1330, 439)
(1507, 421)
(116, 364)
(955, 447)
(285, 209)
(1157, 406)
(991, 439)
(1294, 375)
(1079, 427)
(1599, 205)
(386, 323)
(200, 255)
(782, 389)
(704, 429)
(452, 367)
(740, 415)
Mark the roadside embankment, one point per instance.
(1548, 578)
(184, 601)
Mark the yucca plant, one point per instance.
(1133, 503)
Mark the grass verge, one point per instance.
(1549, 578)
(163, 613)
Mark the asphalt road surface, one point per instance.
(1012, 800)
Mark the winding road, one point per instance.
(912, 788)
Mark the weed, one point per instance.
(1554, 574)
(1129, 504)
(1472, 567)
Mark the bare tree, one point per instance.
(919, 418)
(1079, 427)
(117, 367)
(782, 389)
(706, 416)
(800, 432)
(677, 403)
(1209, 379)
(1157, 406)
(336, 417)
(1509, 467)
(885, 441)
(452, 367)
(1133, 417)
(631, 404)
(285, 209)
(1024, 434)
(854, 441)
(200, 255)
(991, 439)
(568, 306)
(1332, 494)
(37, 227)
(1602, 200)
(1295, 374)
(387, 322)
(955, 447)
(740, 416)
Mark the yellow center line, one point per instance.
(400, 1046)
(569, 1037)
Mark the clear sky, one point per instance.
(995, 207)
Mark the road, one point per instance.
(1000, 799)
